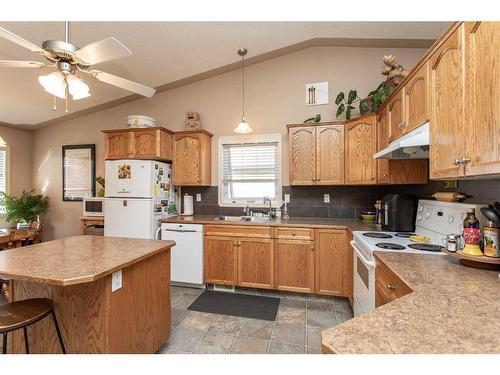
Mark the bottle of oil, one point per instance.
(472, 234)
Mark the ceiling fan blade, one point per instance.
(21, 64)
(104, 50)
(123, 83)
(4, 33)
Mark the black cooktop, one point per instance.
(377, 235)
(390, 246)
(425, 247)
(404, 234)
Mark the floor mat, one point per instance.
(241, 305)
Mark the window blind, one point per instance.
(250, 171)
(3, 174)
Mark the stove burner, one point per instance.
(390, 246)
(377, 235)
(404, 234)
(425, 247)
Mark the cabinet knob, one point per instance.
(456, 162)
(391, 286)
(465, 160)
(402, 124)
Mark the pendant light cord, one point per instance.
(243, 87)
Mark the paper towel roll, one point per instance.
(188, 205)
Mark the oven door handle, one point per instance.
(361, 256)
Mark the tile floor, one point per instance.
(296, 330)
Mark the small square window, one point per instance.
(249, 170)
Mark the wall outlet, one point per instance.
(116, 281)
(287, 198)
(326, 198)
(198, 197)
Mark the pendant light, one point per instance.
(243, 127)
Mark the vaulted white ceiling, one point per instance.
(165, 52)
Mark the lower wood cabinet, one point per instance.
(256, 262)
(303, 260)
(388, 285)
(332, 260)
(220, 260)
(294, 268)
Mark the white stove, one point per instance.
(434, 220)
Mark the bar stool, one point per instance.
(21, 314)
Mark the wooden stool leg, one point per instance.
(58, 332)
(26, 344)
(4, 349)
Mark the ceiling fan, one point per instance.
(70, 61)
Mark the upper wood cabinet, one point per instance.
(482, 46)
(192, 158)
(302, 155)
(138, 143)
(360, 145)
(415, 100)
(448, 135)
(330, 155)
(333, 261)
(395, 116)
(316, 154)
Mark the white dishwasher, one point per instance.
(187, 254)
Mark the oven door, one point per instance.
(364, 282)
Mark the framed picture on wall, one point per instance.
(78, 163)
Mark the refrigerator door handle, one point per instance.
(180, 230)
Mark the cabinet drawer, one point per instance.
(252, 231)
(392, 287)
(295, 233)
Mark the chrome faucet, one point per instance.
(270, 205)
(247, 211)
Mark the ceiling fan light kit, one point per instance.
(70, 61)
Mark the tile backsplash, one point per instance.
(345, 201)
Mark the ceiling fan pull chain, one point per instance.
(66, 96)
(55, 104)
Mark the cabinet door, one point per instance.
(382, 142)
(144, 144)
(187, 160)
(302, 155)
(332, 269)
(361, 144)
(256, 263)
(220, 260)
(118, 145)
(395, 116)
(166, 145)
(294, 265)
(482, 43)
(330, 155)
(447, 126)
(416, 100)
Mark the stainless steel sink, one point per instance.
(241, 218)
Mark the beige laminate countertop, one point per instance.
(309, 222)
(452, 309)
(76, 260)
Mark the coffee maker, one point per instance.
(398, 212)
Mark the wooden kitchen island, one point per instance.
(76, 273)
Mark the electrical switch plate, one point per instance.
(198, 197)
(116, 281)
(326, 198)
(287, 198)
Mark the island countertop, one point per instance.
(452, 309)
(76, 260)
(308, 222)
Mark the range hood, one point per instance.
(414, 145)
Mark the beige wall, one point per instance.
(274, 97)
(19, 143)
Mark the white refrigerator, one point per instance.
(138, 194)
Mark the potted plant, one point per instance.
(25, 208)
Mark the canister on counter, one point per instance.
(451, 243)
(491, 239)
